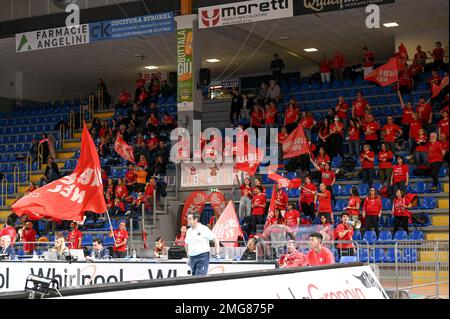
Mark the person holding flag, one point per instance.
(258, 208)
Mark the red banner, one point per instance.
(248, 158)
(124, 150)
(271, 206)
(295, 144)
(193, 204)
(386, 74)
(284, 182)
(69, 197)
(438, 88)
(217, 200)
(227, 228)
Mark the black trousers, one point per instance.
(372, 223)
(336, 146)
(256, 220)
(434, 172)
(304, 162)
(291, 127)
(401, 221)
(120, 254)
(234, 112)
(368, 175)
(308, 210)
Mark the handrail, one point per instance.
(71, 124)
(28, 167)
(16, 179)
(40, 157)
(4, 187)
(154, 208)
(100, 98)
(62, 133)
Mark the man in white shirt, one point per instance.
(197, 247)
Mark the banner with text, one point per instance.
(185, 94)
(207, 175)
(318, 6)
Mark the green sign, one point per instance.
(185, 69)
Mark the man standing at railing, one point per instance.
(74, 237)
(28, 237)
(344, 232)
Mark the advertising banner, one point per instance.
(207, 175)
(317, 6)
(185, 94)
(244, 12)
(131, 27)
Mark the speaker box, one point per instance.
(205, 77)
(173, 79)
(176, 252)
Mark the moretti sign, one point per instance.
(244, 12)
(317, 6)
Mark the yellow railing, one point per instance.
(4, 190)
(28, 167)
(16, 181)
(40, 157)
(100, 98)
(71, 124)
(62, 134)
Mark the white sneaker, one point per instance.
(127, 213)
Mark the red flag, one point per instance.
(248, 159)
(386, 74)
(193, 204)
(227, 228)
(295, 144)
(144, 239)
(438, 88)
(124, 150)
(217, 200)
(271, 206)
(69, 197)
(295, 183)
(281, 181)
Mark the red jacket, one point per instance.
(372, 206)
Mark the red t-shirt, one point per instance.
(335, 126)
(291, 218)
(290, 116)
(443, 126)
(352, 202)
(353, 133)
(383, 158)
(325, 203)
(307, 197)
(360, 106)
(120, 236)
(257, 118)
(246, 191)
(271, 115)
(11, 232)
(372, 128)
(281, 200)
(74, 239)
(121, 191)
(325, 66)
(407, 115)
(28, 235)
(435, 152)
(348, 236)
(282, 136)
(372, 206)
(307, 122)
(259, 199)
(130, 177)
(274, 220)
(342, 108)
(109, 203)
(399, 173)
(365, 163)
(369, 58)
(390, 132)
(398, 207)
(294, 260)
(327, 177)
(414, 128)
(323, 257)
(321, 160)
(424, 111)
(140, 83)
(424, 147)
(438, 54)
(149, 189)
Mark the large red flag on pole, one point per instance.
(295, 144)
(123, 149)
(248, 159)
(70, 196)
(227, 228)
(386, 74)
(438, 88)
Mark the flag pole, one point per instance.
(111, 227)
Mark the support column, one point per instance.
(18, 85)
(189, 97)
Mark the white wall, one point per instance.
(426, 39)
(6, 90)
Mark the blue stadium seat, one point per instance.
(401, 235)
(384, 236)
(387, 203)
(348, 259)
(370, 236)
(337, 190)
(428, 203)
(108, 241)
(346, 190)
(87, 240)
(378, 255)
(340, 204)
(269, 192)
(363, 255)
(419, 188)
(357, 236)
(294, 192)
(363, 189)
(416, 235)
(410, 255)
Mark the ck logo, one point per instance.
(210, 20)
(101, 30)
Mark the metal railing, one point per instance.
(16, 180)
(4, 191)
(71, 124)
(40, 157)
(28, 167)
(62, 134)
(101, 101)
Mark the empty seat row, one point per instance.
(384, 237)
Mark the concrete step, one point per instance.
(437, 236)
(4, 213)
(65, 155)
(446, 187)
(439, 220)
(60, 165)
(424, 277)
(433, 256)
(443, 203)
(72, 144)
(104, 115)
(77, 135)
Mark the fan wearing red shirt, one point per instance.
(294, 258)
(354, 138)
(400, 211)
(400, 175)
(425, 112)
(180, 239)
(371, 129)
(257, 118)
(130, 178)
(120, 241)
(140, 83)
(367, 159)
(28, 237)
(322, 158)
(283, 134)
(344, 232)
(275, 219)
(325, 206)
(436, 153)
(281, 199)
(124, 98)
(336, 137)
(369, 58)
(325, 69)
(271, 115)
(438, 55)
(421, 149)
(385, 158)
(391, 132)
(307, 196)
(342, 109)
(360, 105)
(74, 237)
(372, 208)
(245, 203)
(354, 205)
(414, 128)
(443, 124)
(291, 118)
(292, 216)
(319, 255)
(121, 190)
(258, 208)
(9, 230)
(307, 121)
(405, 82)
